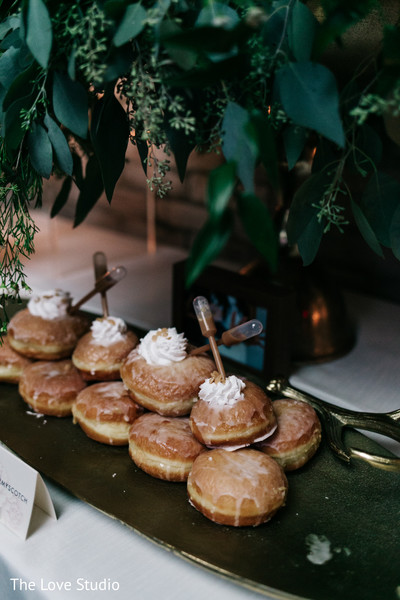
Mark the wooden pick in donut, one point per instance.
(100, 269)
(208, 329)
(233, 336)
(103, 284)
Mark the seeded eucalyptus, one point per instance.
(80, 80)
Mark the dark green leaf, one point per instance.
(379, 202)
(10, 23)
(221, 183)
(62, 197)
(70, 104)
(238, 144)
(131, 25)
(309, 96)
(294, 139)
(12, 63)
(209, 242)
(274, 28)
(182, 146)
(262, 133)
(21, 83)
(214, 72)
(301, 30)
(143, 150)
(13, 132)
(110, 134)
(183, 57)
(91, 190)
(309, 241)
(40, 150)
(395, 233)
(60, 145)
(39, 35)
(71, 69)
(367, 151)
(304, 228)
(218, 14)
(78, 172)
(207, 38)
(259, 227)
(366, 229)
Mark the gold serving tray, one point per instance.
(356, 508)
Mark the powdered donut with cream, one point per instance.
(108, 330)
(53, 304)
(163, 347)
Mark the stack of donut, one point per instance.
(180, 420)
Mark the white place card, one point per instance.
(22, 491)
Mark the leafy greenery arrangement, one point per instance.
(79, 80)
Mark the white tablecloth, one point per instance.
(85, 545)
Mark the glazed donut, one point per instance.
(100, 352)
(163, 447)
(170, 387)
(11, 363)
(231, 414)
(298, 434)
(105, 412)
(45, 330)
(51, 387)
(245, 487)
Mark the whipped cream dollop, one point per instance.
(162, 347)
(50, 305)
(222, 392)
(108, 330)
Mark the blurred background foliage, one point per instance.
(264, 83)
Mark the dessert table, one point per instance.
(85, 548)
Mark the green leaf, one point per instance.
(304, 228)
(12, 63)
(132, 24)
(259, 227)
(110, 134)
(262, 133)
(181, 144)
(310, 98)
(40, 150)
(394, 233)
(294, 139)
(91, 190)
(183, 57)
(217, 14)
(60, 145)
(39, 36)
(62, 197)
(379, 203)
(221, 184)
(20, 84)
(207, 245)
(238, 144)
(367, 151)
(70, 104)
(13, 132)
(301, 31)
(366, 229)
(198, 78)
(309, 241)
